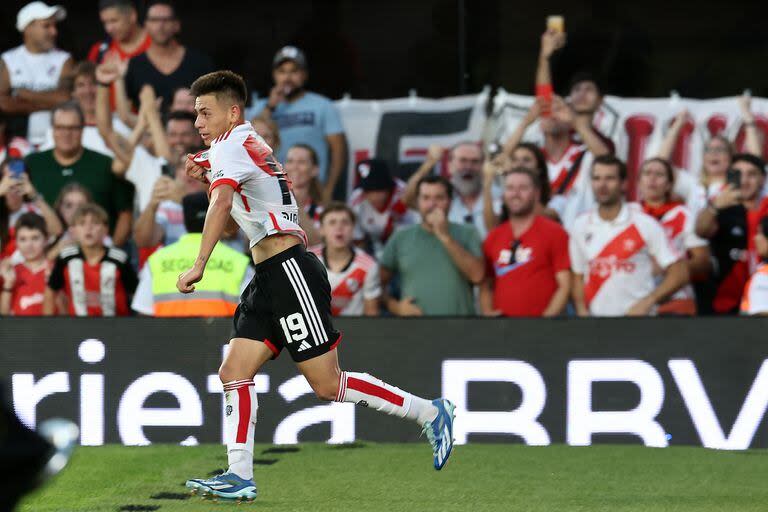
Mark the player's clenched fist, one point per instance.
(193, 169)
(187, 280)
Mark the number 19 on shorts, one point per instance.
(295, 329)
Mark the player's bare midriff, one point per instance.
(272, 245)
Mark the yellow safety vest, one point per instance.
(217, 294)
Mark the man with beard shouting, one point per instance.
(465, 171)
(304, 117)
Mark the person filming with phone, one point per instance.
(730, 221)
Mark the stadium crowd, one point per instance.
(98, 218)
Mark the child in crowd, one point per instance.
(353, 274)
(23, 284)
(89, 278)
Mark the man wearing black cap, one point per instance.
(304, 117)
(379, 204)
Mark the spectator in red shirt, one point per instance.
(24, 283)
(528, 267)
(125, 36)
(92, 279)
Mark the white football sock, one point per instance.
(241, 405)
(368, 391)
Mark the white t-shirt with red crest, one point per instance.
(617, 258)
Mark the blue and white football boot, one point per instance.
(440, 432)
(227, 486)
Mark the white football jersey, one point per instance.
(39, 72)
(263, 203)
(617, 258)
(380, 224)
(680, 227)
(354, 284)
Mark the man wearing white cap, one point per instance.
(32, 74)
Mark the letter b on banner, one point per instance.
(523, 421)
(583, 421)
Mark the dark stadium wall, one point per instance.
(656, 382)
(380, 49)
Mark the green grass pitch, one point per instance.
(399, 477)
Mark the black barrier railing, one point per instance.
(697, 381)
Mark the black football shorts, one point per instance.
(287, 304)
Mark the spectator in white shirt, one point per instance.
(352, 273)
(616, 250)
(34, 75)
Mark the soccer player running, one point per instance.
(288, 302)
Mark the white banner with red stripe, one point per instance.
(400, 130)
(637, 125)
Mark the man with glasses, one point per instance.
(69, 161)
(527, 263)
(167, 64)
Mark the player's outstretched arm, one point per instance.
(215, 221)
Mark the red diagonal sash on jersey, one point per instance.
(626, 244)
(674, 226)
(343, 291)
(570, 156)
(259, 152)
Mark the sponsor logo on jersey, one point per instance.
(605, 267)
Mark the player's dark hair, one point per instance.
(338, 206)
(69, 106)
(180, 115)
(440, 180)
(123, 5)
(750, 159)
(31, 220)
(92, 209)
(612, 160)
(223, 83)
